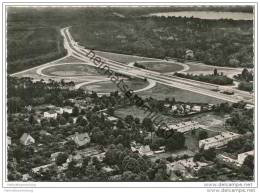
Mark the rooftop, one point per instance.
(223, 135)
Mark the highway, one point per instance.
(172, 81)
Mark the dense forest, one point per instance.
(34, 38)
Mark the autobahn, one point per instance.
(172, 81)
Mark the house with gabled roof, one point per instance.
(26, 139)
(80, 138)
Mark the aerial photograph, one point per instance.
(130, 93)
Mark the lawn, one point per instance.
(121, 57)
(162, 91)
(109, 86)
(162, 66)
(70, 70)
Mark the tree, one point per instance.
(129, 119)
(148, 125)
(210, 154)
(203, 135)
(175, 141)
(215, 72)
(75, 111)
(61, 158)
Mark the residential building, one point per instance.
(50, 114)
(26, 139)
(186, 166)
(58, 110)
(196, 108)
(80, 139)
(218, 141)
(249, 106)
(183, 127)
(54, 156)
(112, 119)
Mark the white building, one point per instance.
(196, 108)
(183, 127)
(67, 109)
(112, 119)
(186, 165)
(50, 114)
(218, 141)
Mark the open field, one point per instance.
(121, 57)
(109, 86)
(70, 70)
(162, 92)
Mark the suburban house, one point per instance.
(26, 139)
(196, 108)
(189, 54)
(43, 132)
(218, 141)
(50, 114)
(80, 139)
(145, 150)
(141, 149)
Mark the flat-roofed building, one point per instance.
(183, 127)
(218, 140)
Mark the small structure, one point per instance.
(189, 54)
(218, 141)
(54, 156)
(50, 114)
(9, 141)
(187, 165)
(249, 106)
(196, 108)
(27, 139)
(26, 177)
(68, 109)
(43, 132)
(80, 139)
(145, 150)
(112, 119)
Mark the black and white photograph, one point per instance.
(148, 93)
